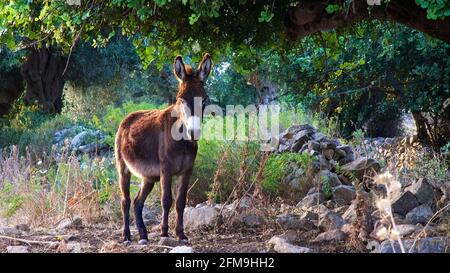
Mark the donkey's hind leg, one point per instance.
(124, 183)
(146, 188)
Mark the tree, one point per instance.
(11, 82)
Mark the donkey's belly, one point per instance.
(143, 169)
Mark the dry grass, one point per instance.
(42, 191)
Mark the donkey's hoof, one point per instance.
(126, 242)
(143, 242)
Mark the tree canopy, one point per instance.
(165, 28)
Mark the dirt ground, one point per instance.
(106, 237)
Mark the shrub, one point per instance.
(280, 166)
(109, 123)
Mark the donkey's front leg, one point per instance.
(166, 200)
(180, 203)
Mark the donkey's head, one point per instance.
(191, 97)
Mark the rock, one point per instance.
(346, 148)
(67, 223)
(320, 209)
(345, 193)
(330, 177)
(361, 166)
(251, 219)
(74, 247)
(150, 216)
(313, 145)
(289, 235)
(23, 227)
(319, 137)
(308, 215)
(302, 137)
(328, 153)
(200, 217)
(10, 231)
(404, 203)
(350, 214)
(423, 191)
(338, 154)
(182, 249)
(88, 141)
(420, 214)
(405, 230)
(335, 235)
(167, 241)
(297, 147)
(347, 159)
(280, 245)
(18, 249)
(311, 200)
(330, 221)
(328, 145)
(424, 245)
(294, 222)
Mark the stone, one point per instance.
(182, 249)
(330, 221)
(74, 247)
(423, 245)
(280, 245)
(350, 215)
(68, 223)
(309, 215)
(251, 219)
(423, 191)
(405, 230)
(313, 145)
(302, 137)
(294, 222)
(289, 235)
(420, 214)
(335, 235)
(361, 166)
(345, 193)
(23, 227)
(346, 148)
(311, 200)
(18, 249)
(200, 217)
(150, 216)
(404, 203)
(167, 241)
(297, 147)
(325, 145)
(328, 153)
(319, 137)
(330, 177)
(10, 231)
(347, 159)
(338, 154)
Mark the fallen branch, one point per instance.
(28, 242)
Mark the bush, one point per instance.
(280, 166)
(109, 123)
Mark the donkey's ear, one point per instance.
(178, 69)
(204, 68)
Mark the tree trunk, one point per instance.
(11, 87)
(42, 72)
(433, 132)
(310, 16)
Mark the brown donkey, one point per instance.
(146, 147)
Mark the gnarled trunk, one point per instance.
(11, 87)
(43, 74)
(310, 16)
(434, 131)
